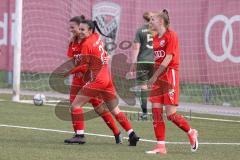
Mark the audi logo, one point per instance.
(159, 54)
(227, 48)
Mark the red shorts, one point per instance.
(166, 89)
(101, 88)
(76, 86)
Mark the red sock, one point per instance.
(179, 121)
(77, 119)
(123, 121)
(158, 123)
(107, 117)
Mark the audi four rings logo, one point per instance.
(159, 54)
(227, 48)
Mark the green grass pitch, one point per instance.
(22, 144)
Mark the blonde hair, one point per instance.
(164, 15)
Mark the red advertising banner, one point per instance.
(208, 31)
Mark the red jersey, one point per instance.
(94, 55)
(73, 49)
(167, 44)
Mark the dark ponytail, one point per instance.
(93, 25)
(99, 30)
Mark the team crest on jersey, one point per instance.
(162, 43)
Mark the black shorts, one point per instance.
(144, 72)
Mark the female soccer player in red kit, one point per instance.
(100, 84)
(74, 50)
(166, 57)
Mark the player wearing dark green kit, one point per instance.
(143, 55)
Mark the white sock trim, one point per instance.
(80, 132)
(160, 142)
(130, 131)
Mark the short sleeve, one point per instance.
(172, 43)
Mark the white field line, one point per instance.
(213, 119)
(192, 117)
(108, 136)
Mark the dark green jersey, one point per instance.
(144, 37)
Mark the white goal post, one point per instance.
(17, 51)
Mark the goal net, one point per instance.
(208, 32)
